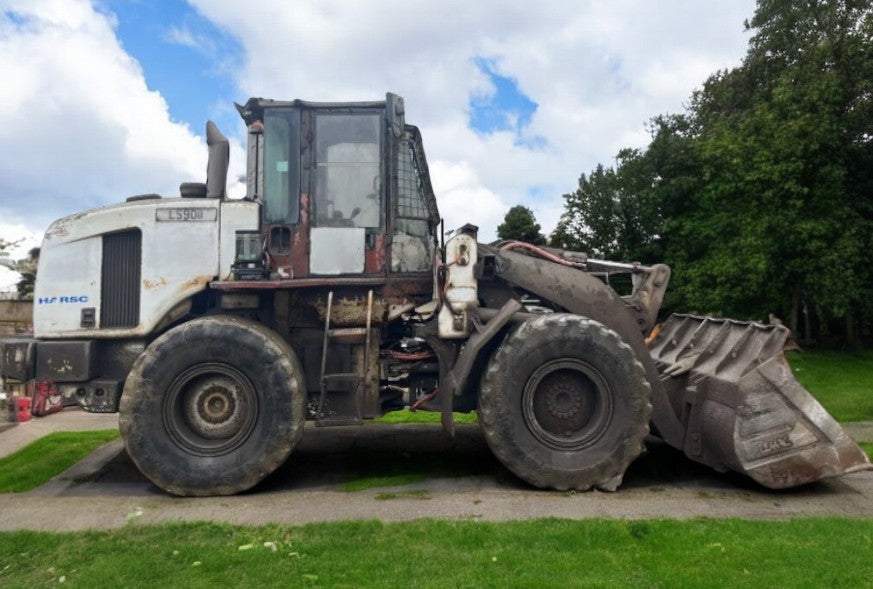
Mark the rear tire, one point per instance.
(213, 406)
(565, 404)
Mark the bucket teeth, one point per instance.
(741, 407)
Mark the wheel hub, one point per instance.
(214, 407)
(562, 398)
(566, 404)
(210, 409)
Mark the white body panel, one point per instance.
(68, 280)
(180, 256)
(462, 291)
(336, 250)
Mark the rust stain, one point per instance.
(300, 239)
(64, 367)
(374, 259)
(153, 284)
(58, 230)
(304, 208)
(197, 283)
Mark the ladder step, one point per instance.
(342, 377)
(348, 335)
(331, 421)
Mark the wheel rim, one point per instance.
(567, 404)
(210, 409)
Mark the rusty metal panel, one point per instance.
(66, 361)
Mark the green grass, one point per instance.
(841, 381)
(377, 469)
(38, 462)
(360, 482)
(868, 448)
(407, 416)
(540, 553)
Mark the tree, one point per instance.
(786, 149)
(761, 195)
(5, 246)
(27, 268)
(520, 224)
(615, 213)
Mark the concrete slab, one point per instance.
(463, 481)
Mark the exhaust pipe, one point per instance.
(219, 160)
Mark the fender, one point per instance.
(583, 294)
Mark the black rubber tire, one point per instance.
(565, 404)
(213, 406)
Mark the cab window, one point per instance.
(348, 171)
(281, 166)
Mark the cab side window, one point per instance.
(348, 191)
(281, 166)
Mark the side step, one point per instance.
(733, 390)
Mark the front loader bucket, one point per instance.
(742, 409)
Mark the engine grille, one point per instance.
(120, 281)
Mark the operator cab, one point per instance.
(344, 189)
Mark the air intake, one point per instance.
(120, 283)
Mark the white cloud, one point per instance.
(183, 36)
(598, 70)
(79, 126)
(463, 198)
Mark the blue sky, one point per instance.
(504, 109)
(190, 61)
(514, 100)
(184, 56)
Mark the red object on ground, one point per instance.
(23, 406)
(46, 399)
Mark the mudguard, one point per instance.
(741, 407)
(584, 294)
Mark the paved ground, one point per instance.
(14, 437)
(106, 490)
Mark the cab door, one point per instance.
(347, 169)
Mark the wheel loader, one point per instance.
(331, 292)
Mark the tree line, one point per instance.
(760, 194)
(26, 267)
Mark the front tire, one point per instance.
(565, 404)
(213, 406)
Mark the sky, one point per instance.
(105, 99)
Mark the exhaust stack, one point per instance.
(219, 160)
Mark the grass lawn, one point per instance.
(841, 381)
(540, 553)
(36, 463)
(407, 416)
